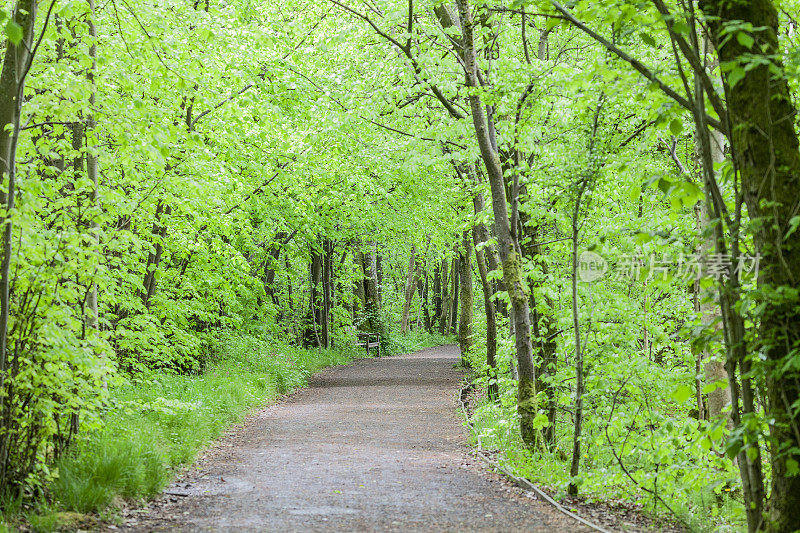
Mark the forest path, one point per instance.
(375, 445)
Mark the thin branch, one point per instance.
(674, 156)
(220, 104)
(637, 132)
(635, 63)
(448, 105)
(695, 62)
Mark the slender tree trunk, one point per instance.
(572, 488)
(443, 317)
(480, 235)
(465, 340)
(159, 232)
(509, 249)
(582, 186)
(708, 301)
(437, 295)
(313, 336)
(327, 289)
(92, 164)
(271, 264)
(378, 275)
(12, 86)
(424, 317)
(408, 295)
(359, 302)
(452, 321)
(371, 299)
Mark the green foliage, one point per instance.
(667, 453)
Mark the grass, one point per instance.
(416, 340)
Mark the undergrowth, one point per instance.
(672, 466)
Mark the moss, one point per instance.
(512, 274)
(527, 407)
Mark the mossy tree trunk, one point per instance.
(455, 278)
(509, 248)
(465, 340)
(766, 156)
(480, 235)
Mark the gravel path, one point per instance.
(377, 445)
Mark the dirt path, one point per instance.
(373, 446)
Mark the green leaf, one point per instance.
(13, 32)
(647, 39)
(552, 22)
(676, 127)
(682, 393)
(735, 76)
(681, 28)
(792, 467)
(711, 387)
(540, 421)
(634, 192)
(793, 223)
(745, 40)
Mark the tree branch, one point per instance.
(636, 64)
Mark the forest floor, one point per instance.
(377, 445)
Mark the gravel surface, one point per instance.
(377, 445)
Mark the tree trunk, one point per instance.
(314, 336)
(360, 299)
(713, 368)
(91, 165)
(765, 153)
(270, 265)
(452, 320)
(480, 235)
(447, 298)
(159, 231)
(378, 276)
(509, 249)
(424, 317)
(437, 294)
(12, 86)
(408, 295)
(327, 288)
(572, 488)
(371, 301)
(465, 341)
(545, 331)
